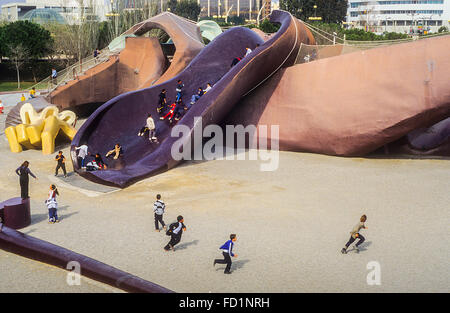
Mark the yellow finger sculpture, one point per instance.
(39, 130)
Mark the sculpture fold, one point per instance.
(39, 130)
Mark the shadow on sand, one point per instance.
(186, 244)
(235, 265)
(37, 218)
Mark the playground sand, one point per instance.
(290, 223)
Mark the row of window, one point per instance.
(358, 4)
(355, 14)
(69, 9)
(412, 12)
(413, 2)
(410, 23)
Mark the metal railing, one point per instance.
(72, 72)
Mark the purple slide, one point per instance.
(119, 120)
(430, 138)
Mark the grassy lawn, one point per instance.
(12, 86)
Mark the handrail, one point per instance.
(66, 74)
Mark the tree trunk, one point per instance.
(18, 74)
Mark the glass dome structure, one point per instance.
(42, 16)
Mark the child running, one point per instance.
(354, 234)
(227, 251)
(175, 231)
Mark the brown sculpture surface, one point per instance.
(352, 104)
(138, 65)
(185, 35)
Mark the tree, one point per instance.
(236, 20)
(331, 11)
(188, 9)
(24, 41)
(267, 27)
(172, 5)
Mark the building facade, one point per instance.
(248, 9)
(71, 10)
(401, 16)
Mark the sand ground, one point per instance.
(291, 224)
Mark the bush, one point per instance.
(443, 29)
(268, 27)
(236, 20)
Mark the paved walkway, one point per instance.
(11, 99)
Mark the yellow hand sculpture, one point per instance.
(40, 129)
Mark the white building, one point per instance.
(71, 10)
(402, 16)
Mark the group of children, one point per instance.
(174, 110)
(31, 94)
(171, 112)
(97, 162)
(176, 229)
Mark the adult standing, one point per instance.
(61, 163)
(158, 208)
(23, 171)
(175, 231)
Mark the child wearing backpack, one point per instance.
(175, 231)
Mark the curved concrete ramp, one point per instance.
(120, 119)
(43, 251)
(352, 104)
